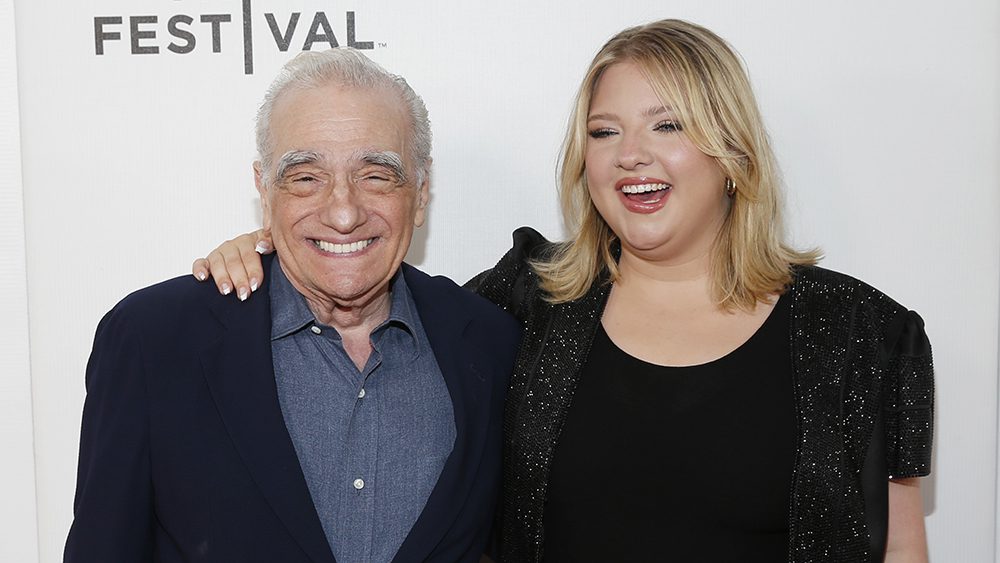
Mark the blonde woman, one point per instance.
(689, 387)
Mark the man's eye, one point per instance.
(667, 126)
(301, 184)
(600, 133)
(376, 176)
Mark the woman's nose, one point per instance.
(632, 152)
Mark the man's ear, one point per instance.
(264, 193)
(423, 197)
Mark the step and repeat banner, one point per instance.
(136, 139)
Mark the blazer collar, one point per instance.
(445, 322)
(240, 375)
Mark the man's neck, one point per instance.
(355, 323)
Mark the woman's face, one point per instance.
(664, 198)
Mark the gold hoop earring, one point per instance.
(730, 187)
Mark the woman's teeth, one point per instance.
(643, 188)
(646, 193)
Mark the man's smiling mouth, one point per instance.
(342, 248)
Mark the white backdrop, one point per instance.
(18, 529)
(884, 114)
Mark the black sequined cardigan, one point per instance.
(863, 396)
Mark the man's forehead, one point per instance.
(348, 102)
(338, 120)
(310, 116)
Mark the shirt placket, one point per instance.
(363, 455)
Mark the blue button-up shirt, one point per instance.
(371, 443)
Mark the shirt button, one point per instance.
(361, 394)
(359, 484)
(315, 329)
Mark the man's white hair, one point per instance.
(346, 67)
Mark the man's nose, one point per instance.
(632, 152)
(344, 208)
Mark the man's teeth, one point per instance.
(345, 248)
(643, 188)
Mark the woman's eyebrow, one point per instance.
(651, 111)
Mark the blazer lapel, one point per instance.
(819, 386)
(567, 331)
(470, 392)
(240, 376)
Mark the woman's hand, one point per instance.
(236, 264)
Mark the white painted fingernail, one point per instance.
(201, 276)
(243, 294)
(261, 247)
(226, 289)
(253, 284)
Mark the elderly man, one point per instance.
(349, 411)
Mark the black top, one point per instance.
(690, 463)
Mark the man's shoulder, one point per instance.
(182, 292)
(175, 309)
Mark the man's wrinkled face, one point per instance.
(340, 196)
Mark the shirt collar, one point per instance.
(290, 313)
(402, 309)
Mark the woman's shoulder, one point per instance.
(820, 293)
(821, 283)
(512, 278)
(529, 245)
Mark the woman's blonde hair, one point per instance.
(696, 74)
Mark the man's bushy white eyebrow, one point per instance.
(388, 159)
(294, 158)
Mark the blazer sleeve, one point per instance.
(507, 284)
(909, 397)
(113, 507)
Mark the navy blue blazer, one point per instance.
(184, 454)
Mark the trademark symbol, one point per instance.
(382, 45)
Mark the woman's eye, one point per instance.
(304, 179)
(600, 133)
(667, 126)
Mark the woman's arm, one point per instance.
(907, 540)
(235, 264)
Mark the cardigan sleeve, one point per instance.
(909, 397)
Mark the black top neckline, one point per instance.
(732, 355)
